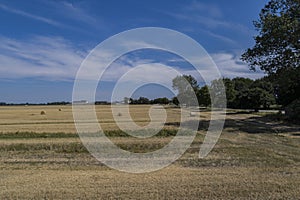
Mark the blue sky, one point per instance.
(44, 42)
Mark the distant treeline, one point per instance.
(144, 100)
(141, 100)
(241, 93)
(35, 104)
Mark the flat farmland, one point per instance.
(60, 118)
(41, 157)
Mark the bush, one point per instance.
(292, 111)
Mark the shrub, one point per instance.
(292, 111)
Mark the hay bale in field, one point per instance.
(43, 112)
(193, 114)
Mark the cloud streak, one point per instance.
(29, 15)
(54, 58)
(231, 66)
(66, 10)
(210, 9)
(208, 18)
(44, 57)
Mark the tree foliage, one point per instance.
(278, 42)
(187, 88)
(204, 96)
(240, 92)
(277, 48)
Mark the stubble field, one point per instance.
(42, 157)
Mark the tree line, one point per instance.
(145, 100)
(243, 93)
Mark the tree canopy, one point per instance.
(278, 42)
(187, 87)
(277, 48)
(240, 92)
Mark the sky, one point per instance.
(43, 43)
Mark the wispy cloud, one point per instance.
(228, 64)
(220, 37)
(210, 22)
(231, 66)
(207, 8)
(75, 11)
(64, 10)
(52, 58)
(29, 15)
(79, 14)
(208, 18)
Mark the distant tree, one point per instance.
(287, 85)
(218, 93)
(58, 103)
(102, 103)
(163, 100)
(175, 101)
(241, 87)
(230, 91)
(126, 100)
(180, 83)
(131, 101)
(241, 84)
(204, 96)
(246, 93)
(257, 98)
(187, 88)
(143, 100)
(264, 84)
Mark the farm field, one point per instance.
(42, 157)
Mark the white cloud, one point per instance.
(231, 66)
(29, 15)
(64, 10)
(210, 22)
(207, 8)
(77, 11)
(144, 74)
(55, 58)
(45, 57)
(208, 18)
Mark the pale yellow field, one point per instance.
(29, 118)
(254, 159)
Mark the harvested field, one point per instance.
(43, 158)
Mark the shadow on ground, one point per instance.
(253, 124)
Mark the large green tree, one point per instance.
(241, 87)
(278, 42)
(277, 47)
(204, 96)
(187, 88)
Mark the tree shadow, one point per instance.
(251, 125)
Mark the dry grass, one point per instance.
(29, 118)
(254, 159)
(170, 183)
